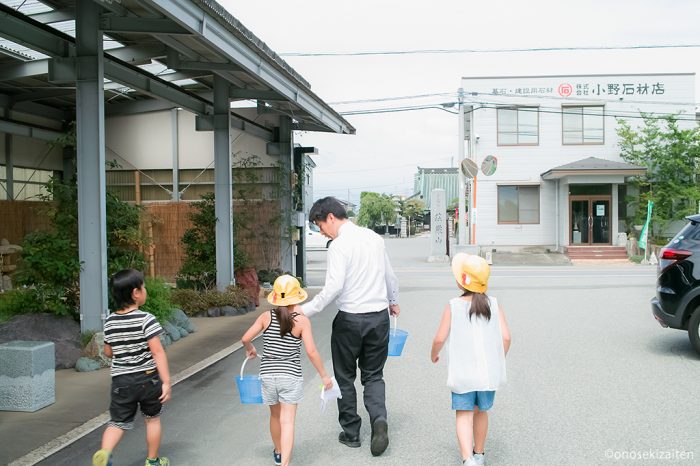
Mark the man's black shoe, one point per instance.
(380, 437)
(352, 442)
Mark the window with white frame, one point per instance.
(518, 126)
(518, 204)
(582, 124)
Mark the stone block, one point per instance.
(213, 312)
(27, 375)
(172, 331)
(86, 365)
(229, 311)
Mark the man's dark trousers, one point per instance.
(360, 340)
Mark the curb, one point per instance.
(95, 423)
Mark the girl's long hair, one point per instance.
(286, 320)
(481, 305)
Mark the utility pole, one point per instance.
(461, 206)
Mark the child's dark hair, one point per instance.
(325, 206)
(481, 305)
(286, 321)
(122, 284)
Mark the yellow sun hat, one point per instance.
(286, 291)
(471, 272)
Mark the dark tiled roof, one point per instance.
(594, 163)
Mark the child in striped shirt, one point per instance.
(283, 332)
(140, 375)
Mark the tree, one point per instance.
(199, 268)
(411, 209)
(376, 209)
(670, 154)
(50, 260)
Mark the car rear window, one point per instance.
(688, 234)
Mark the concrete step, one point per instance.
(596, 252)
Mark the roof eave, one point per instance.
(558, 174)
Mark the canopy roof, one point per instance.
(158, 54)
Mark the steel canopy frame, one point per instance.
(201, 22)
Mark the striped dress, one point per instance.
(281, 355)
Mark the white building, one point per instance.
(559, 180)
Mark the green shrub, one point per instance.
(269, 276)
(85, 337)
(190, 301)
(18, 301)
(159, 302)
(193, 302)
(199, 268)
(49, 262)
(38, 298)
(214, 298)
(236, 296)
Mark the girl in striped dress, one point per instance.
(283, 331)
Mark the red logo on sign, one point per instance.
(565, 89)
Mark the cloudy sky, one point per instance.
(388, 147)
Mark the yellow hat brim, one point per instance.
(276, 300)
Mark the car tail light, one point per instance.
(670, 256)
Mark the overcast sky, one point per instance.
(388, 147)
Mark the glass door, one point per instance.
(589, 220)
(600, 226)
(580, 233)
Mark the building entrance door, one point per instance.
(589, 221)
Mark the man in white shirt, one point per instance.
(360, 279)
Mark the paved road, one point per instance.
(593, 379)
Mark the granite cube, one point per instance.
(27, 375)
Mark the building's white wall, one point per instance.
(35, 153)
(143, 141)
(525, 164)
(196, 148)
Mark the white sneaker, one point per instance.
(469, 462)
(479, 459)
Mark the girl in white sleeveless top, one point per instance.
(478, 342)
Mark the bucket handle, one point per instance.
(243, 366)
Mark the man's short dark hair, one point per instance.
(323, 207)
(122, 284)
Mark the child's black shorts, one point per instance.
(130, 391)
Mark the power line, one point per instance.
(496, 105)
(384, 99)
(392, 167)
(475, 93)
(505, 50)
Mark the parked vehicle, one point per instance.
(677, 301)
(314, 238)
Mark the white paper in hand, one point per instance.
(329, 395)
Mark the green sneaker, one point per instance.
(102, 458)
(162, 461)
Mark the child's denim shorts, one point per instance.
(131, 391)
(467, 401)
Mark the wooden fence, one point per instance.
(165, 223)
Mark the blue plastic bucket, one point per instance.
(249, 387)
(397, 338)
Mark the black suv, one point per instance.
(677, 301)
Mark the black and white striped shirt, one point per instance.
(281, 354)
(128, 335)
